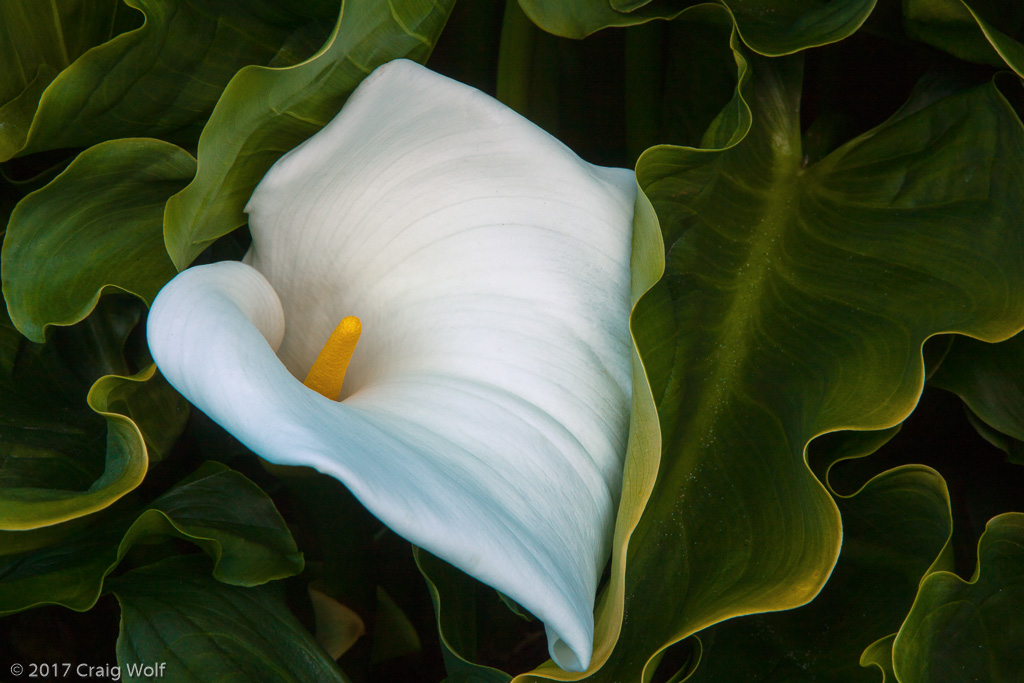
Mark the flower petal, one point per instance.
(485, 411)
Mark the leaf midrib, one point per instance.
(733, 349)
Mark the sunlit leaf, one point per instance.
(879, 656)
(337, 626)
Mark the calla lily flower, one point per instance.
(484, 412)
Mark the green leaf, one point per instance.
(455, 596)
(234, 521)
(879, 655)
(795, 303)
(989, 378)
(174, 613)
(98, 225)
(894, 529)
(161, 79)
(984, 31)
(969, 630)
(33, 34)
(580, 18)
(148, 400)
(831, 449)
(38, 40)
(777, 28)
(246, 134)
(768, 27)
(215, 508)
(66, 449)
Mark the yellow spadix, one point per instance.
(328, 371)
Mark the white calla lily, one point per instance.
(484, 415)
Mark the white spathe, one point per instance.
(485, 412)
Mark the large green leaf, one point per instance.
(985, 31)
(67, 449)
(215, 508)
(969, 630)
(247, 134)
(768, 27)
(796, 301)
(893, 531)
(98, 225)
(161, 79)
(172, 612)
(989, 378)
